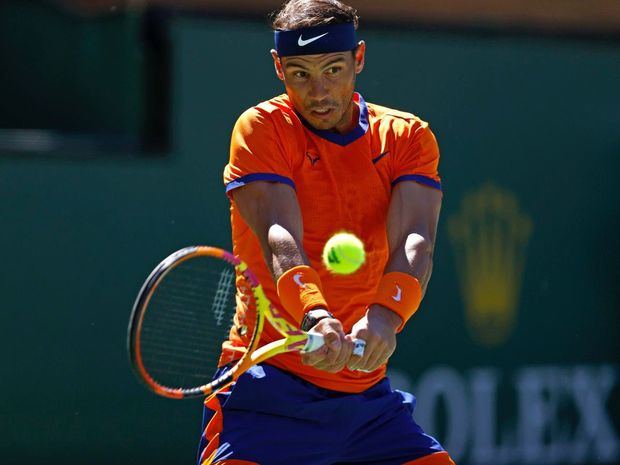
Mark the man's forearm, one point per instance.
(283, 251)
(414, 256)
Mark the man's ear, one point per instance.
(277, 63)
(360, 56)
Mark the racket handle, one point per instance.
(315, 341)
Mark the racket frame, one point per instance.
(294, 339)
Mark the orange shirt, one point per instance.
(343, 183)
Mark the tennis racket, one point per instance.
(185, 311)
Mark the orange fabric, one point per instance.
(213, 429)
(401, 293)
(338, 188)
(439, 458)
(299, 290)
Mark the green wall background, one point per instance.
(536, 117)
(70, 73)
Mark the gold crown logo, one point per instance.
(490, 236)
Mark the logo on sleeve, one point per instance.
(399, 294)
(302, 43)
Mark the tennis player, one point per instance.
(303, 166)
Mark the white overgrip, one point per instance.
(315, 341)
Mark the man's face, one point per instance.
(321, 86)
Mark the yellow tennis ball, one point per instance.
(343, 253)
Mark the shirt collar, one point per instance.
(344, 139)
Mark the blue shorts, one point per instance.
(270, 417)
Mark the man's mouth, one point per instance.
(322, 112)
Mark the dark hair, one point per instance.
(297, 14)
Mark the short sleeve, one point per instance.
(257, 153)
(418, 158)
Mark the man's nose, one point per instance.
(318, 89)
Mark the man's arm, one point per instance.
(411, 229)
(272, 212)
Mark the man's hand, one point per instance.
(335, 354)
(378, 329)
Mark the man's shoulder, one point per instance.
(381, 113)
(398, 123)
(277, 110)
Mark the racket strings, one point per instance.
(188, 318)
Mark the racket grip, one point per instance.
(315, 341)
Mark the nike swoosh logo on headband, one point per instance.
(301, 42)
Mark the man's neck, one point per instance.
(349, 119)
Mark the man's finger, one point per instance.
(343, 357)
(356, 362)
(333, 362)
(377, 358)
(314, 357)
(333, 341)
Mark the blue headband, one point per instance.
(316, 40)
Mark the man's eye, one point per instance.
(334, 70)
(300, 74)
